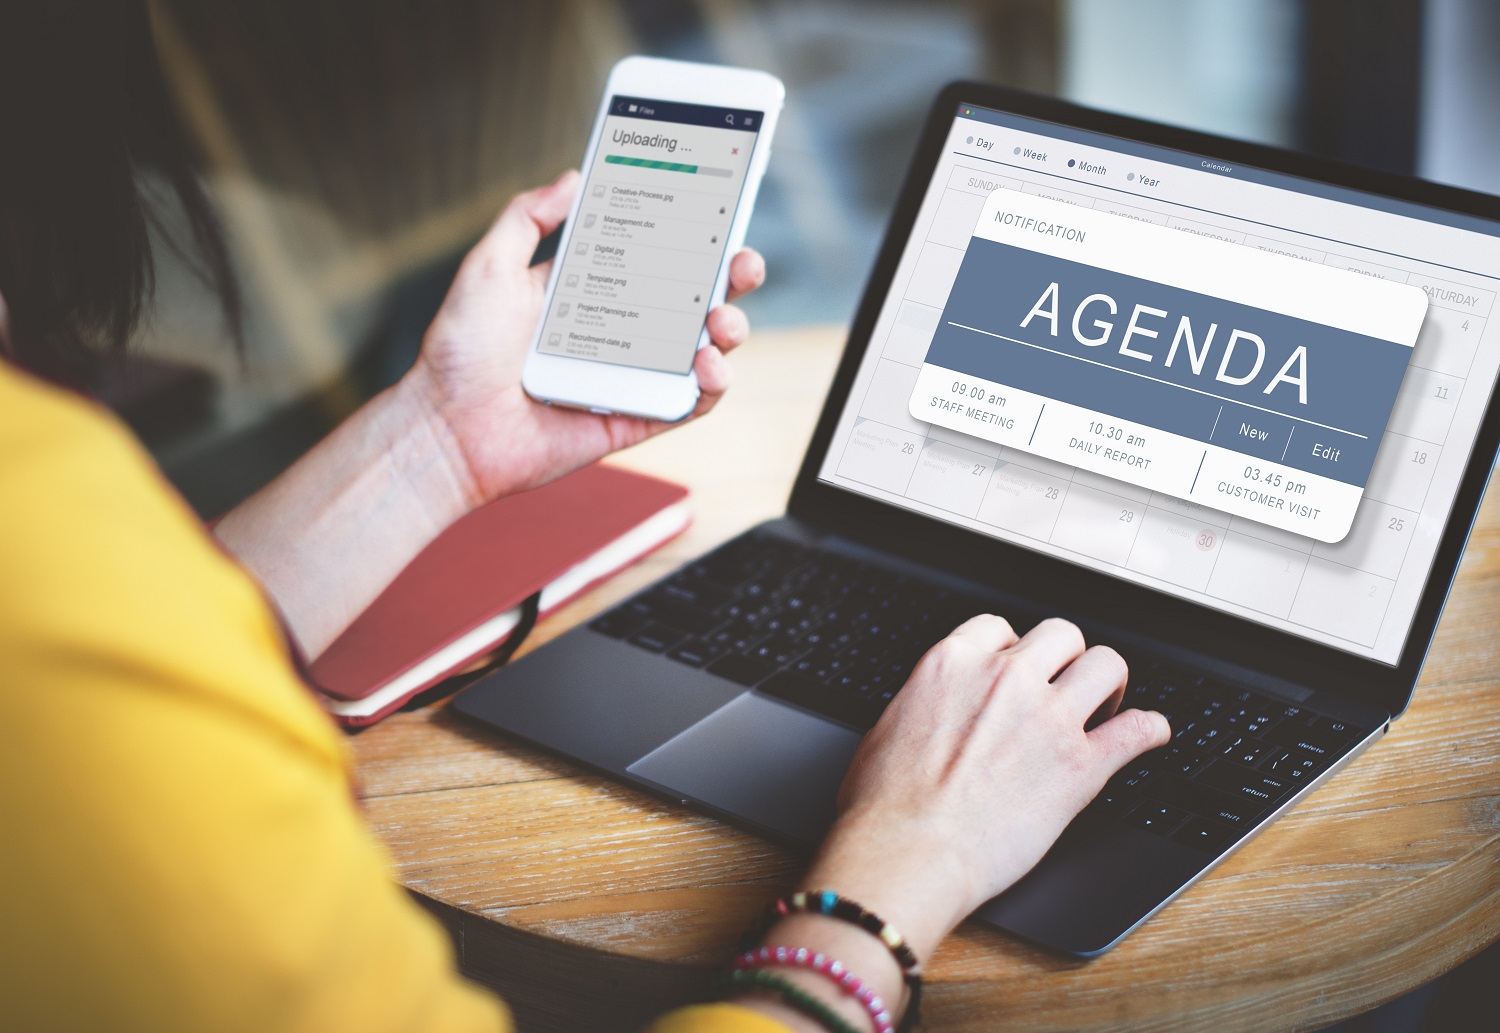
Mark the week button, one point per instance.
(1263, 435)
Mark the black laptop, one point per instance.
(741, 683)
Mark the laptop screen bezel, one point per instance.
(1094, 596)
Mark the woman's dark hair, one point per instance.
(84, 112)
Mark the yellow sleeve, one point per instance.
(716, 1018)
(182, 848)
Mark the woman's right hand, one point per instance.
(968, 778)
(974, 770)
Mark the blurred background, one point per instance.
(358, 147)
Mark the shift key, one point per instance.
(1242, 782)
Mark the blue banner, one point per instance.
(1275, 387)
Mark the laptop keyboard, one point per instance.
(839, 637)
(1234, 756)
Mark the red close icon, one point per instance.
(734, 150)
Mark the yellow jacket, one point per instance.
(181, 848)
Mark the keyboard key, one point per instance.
(1136, 776)
(1247, 751)
(671, 612)
(1292, 764)
(812, 663)
(1181, 761)
(1234, 718)
(1300, 737)
(796, 688)
(1209, 738)
(656, 638)
(775, 652)
(1202, 800)
(694, 653)
(1259, 724)
(846, 684)
(736, 636)
(1210, 835)
(1155, 816)
(856, 711)
(1111, 800)
(1277, 762)
(695, 592)
(618, 623)
(1238, 781)
(829, 668)
(740, 669)
(1336, 728)
(1183, 730)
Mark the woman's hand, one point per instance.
(457, 431)
(469, 370)
(974, 770)
(968, 778)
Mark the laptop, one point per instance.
(1280, 650)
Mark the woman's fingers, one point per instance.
(747, 271)
(1095, 680)
(714, 377)
(728, 327)
(1051, 646)
(986, 631)
(1126, 736)
(529, 217)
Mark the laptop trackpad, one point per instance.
(759, 760)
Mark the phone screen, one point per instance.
(638, 273)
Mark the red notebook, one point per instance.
(465, 594)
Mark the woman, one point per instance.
(184, 849)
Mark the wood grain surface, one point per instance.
(591, 906)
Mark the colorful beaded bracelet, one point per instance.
(829, 903)
(848, 982)
(792, 995)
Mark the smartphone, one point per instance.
(670, 176)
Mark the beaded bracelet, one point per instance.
(793, 996)
(848, 982)
(827, 902)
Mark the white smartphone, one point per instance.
(671, 173)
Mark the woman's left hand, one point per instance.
(469, 370)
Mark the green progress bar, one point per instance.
(647, 163)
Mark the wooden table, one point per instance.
(591, 906)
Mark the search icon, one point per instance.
(729, 119)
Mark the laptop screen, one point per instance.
(1250, 390)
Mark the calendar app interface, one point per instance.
(1242, 380)
(1245, 389)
